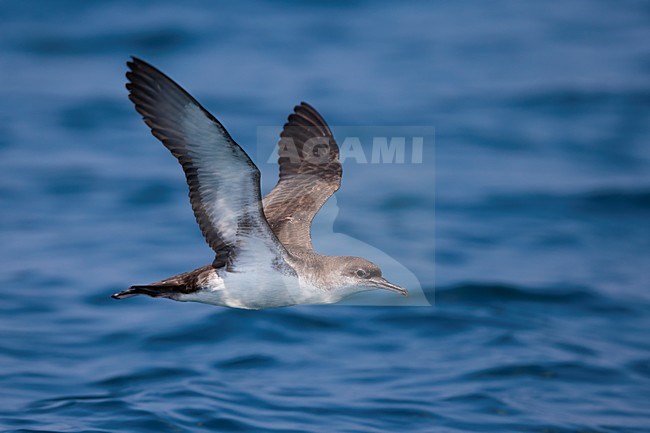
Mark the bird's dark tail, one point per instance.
(153, 290)
(172, 287)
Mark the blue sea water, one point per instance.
(527, 227)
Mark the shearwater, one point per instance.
(264, 254)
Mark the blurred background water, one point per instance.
(531, 223)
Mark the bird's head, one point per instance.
(360, 275)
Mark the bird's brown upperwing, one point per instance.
(310, 172)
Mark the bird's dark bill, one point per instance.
(381, 283)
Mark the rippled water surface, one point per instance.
(527, 228)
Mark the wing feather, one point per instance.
(310, 172)
(224, 187)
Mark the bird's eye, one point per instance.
(361, 273)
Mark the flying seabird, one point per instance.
(264, 254)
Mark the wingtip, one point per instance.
(131, 63)
(132, 66)
(134, 61)
(136, 64)
(304, 104)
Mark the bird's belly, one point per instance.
(253, 291)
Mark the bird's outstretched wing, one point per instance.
(223, 181)
(310, 172)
